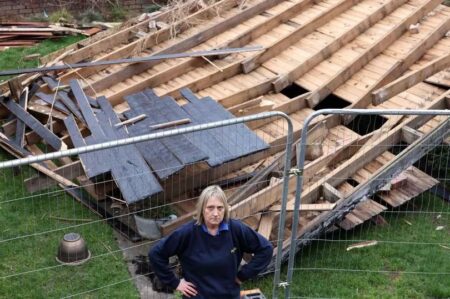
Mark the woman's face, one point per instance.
(213, 212)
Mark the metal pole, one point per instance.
(142, 138)
(301, 161)
(282, 218)
(224, 51)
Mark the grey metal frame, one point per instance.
(301, 150)
(189, 129)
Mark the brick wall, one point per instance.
(23, 9)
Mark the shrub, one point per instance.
(61, 16)
(118, 12)
(152, 8)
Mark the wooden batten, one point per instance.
(402, 65)
(409, 135)
(410, 79)
(327, 88)
(330, 193)
(278, 46)
(190, 41)
(41, 182)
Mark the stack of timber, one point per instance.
(21, 34)
(317, 54)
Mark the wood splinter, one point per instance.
(171, 124)
(131, 120)
(362, 245)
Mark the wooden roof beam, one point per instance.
(334, 46)
(236, 67)
(381, 177)
(403, 83)
(385, 141)
(238, 41)
(136, 47)
(338, 79)
(282, 81)
(402, 65)
(288, 107)
(279, 46)
(409, 135)
(191, 41)
(113, 40)
(266, 197)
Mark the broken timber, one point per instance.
(312, 49)
(129, 60)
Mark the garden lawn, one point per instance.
(411, 259)
(32, 225)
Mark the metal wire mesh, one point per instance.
(385, 231)
(39, 212)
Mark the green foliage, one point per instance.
(409, 247)
(446, 2)
(61, 16)
(152, 8)
(118, 12)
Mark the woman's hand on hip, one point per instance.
(187, 288)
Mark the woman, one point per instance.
(210, 251)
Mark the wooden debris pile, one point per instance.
(317, 54)
(20, 34)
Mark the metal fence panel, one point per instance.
(394, 177)
(38, 211)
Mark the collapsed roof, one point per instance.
(317, 54)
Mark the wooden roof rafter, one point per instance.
(357, 63)
(238, 41)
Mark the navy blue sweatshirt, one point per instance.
(211, 263)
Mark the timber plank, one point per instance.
(93, 163)
(86, 110)
(132, 175)
(156, 152)
(50, 100)
(41, 182)
(280, 44)
(48, 136)
(241, 141)
(410, 79)
(168, 110)
(20, 125)
(388, 38)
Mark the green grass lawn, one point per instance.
(13, 58)
(410, 260)
(30, 231)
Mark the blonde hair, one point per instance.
(207, 193)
